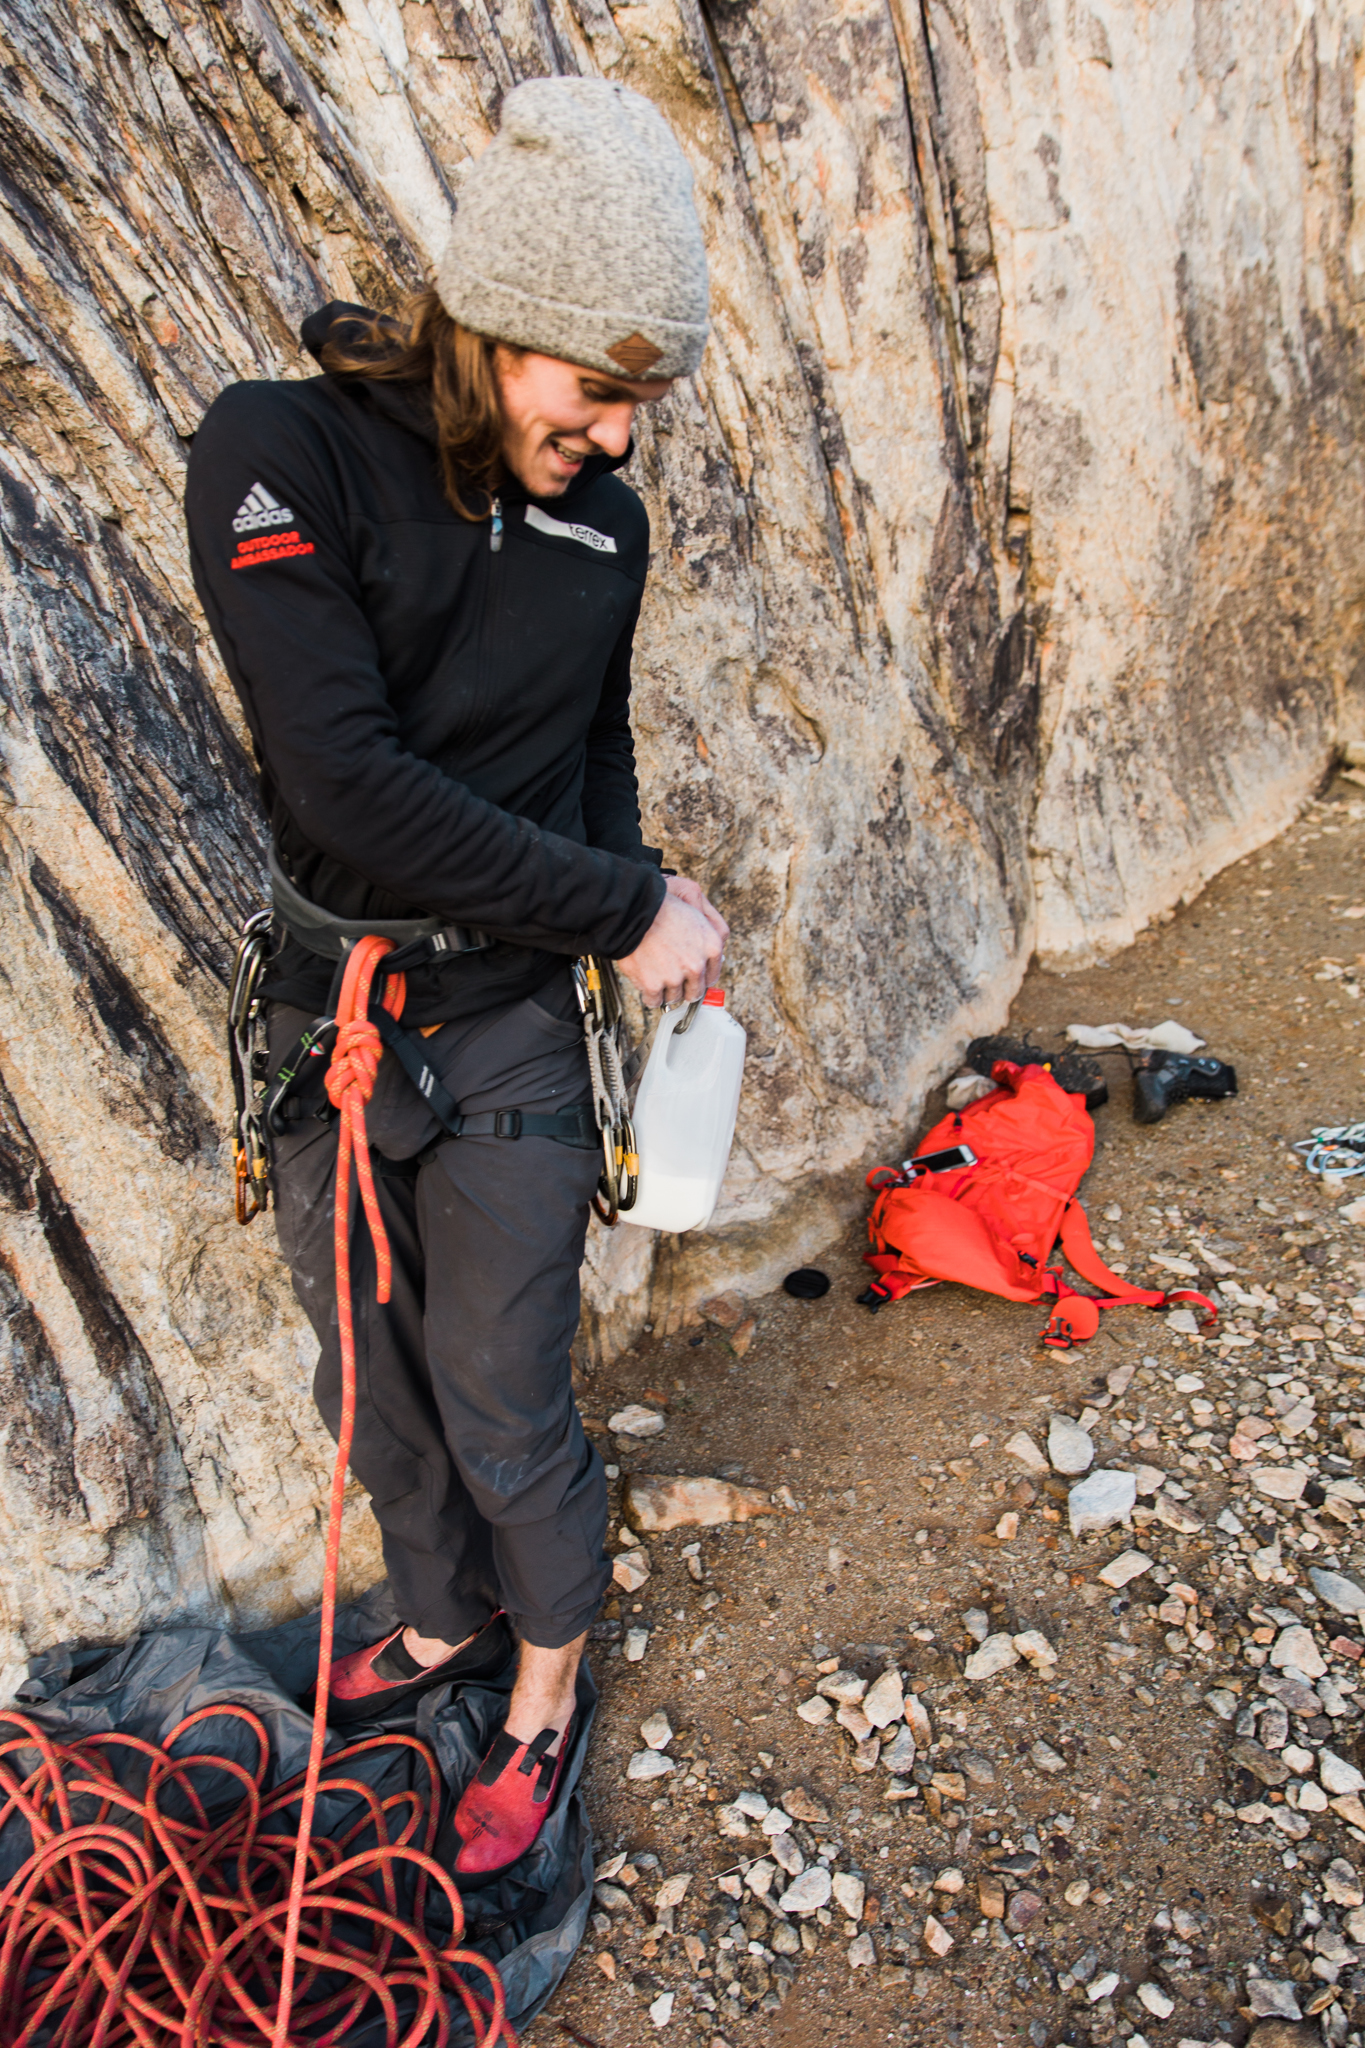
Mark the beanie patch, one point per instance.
(635, 355)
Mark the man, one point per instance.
(423, 576)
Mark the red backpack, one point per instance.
(993, 1225)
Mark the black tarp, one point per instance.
(529, 1922)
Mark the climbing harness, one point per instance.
(1336, 1151)
(145, 1913)
(417, 941)
(267, 1107)
(994, 1223)
(609, 1061)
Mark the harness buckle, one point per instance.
(507, 1123)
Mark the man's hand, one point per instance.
(679, 956)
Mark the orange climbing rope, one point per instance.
(139, 1919)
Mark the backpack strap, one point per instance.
(893, 1283)
(1079, 1246)
(1076, 1316)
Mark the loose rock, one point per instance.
(1268, 1769)
(786, 1853)
(1337, 1590)
(917, 1720)
(1121, 1570)
(936, 1937)
(996, 1654)
(849, 1894)
(845, 1688)
(1027, 1452)
(815, 1710)
(1337, 1775)
(802, 1806)
(899, 1754)
(631, 1569)
(649, 1763)
(656, 1732)
(884, 1701)
(1175, 1516)
(811, 1890)
(1106, 1497)
(1024, 1908)
(1274, 1998)
(1296, 1651)
(1035, 1649)
(1069, 1447)
(855, 1721)
(636, 1421)
(653, 1503)
(1278, 1482)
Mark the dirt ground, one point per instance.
(889, 1432)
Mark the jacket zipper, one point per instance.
(482, 716)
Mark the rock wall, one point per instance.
(1006, 585)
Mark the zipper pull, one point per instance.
(495, 531)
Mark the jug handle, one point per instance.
(686, 1025)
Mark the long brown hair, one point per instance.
(425, 346)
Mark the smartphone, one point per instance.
(940, 1162)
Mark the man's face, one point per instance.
(556, 414)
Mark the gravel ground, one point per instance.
(1146, 1825)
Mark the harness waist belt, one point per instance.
(573, 1126)
(331, 938)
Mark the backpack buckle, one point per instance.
(507, 1123)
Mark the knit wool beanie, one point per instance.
(576, 234)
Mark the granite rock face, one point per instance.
(1006, 585)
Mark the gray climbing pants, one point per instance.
(467, 1437)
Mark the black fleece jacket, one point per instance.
(439, 727)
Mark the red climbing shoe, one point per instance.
(504, 1806)
(371, 1681)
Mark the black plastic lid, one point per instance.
(807, 1283)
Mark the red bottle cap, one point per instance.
(715, 997)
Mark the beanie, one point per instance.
(576, 234)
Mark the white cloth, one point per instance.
(966, 1088)
(1167, 1037)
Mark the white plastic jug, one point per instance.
(685, 1112)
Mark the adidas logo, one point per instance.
(258, 508)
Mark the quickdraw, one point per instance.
(1335, 1151)
(609, 1059)
(249, 1062)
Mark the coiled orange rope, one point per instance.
(137, 1919)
